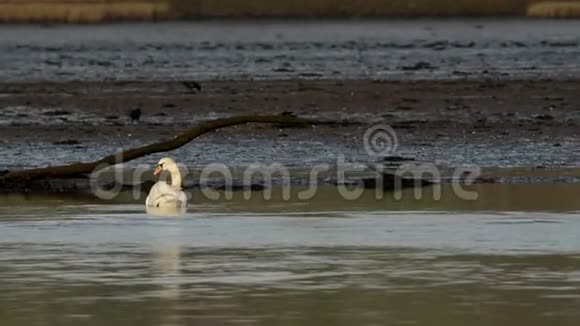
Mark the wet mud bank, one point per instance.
(389, 182)
(288, 49)
(527, 124)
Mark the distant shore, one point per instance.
(96, 11)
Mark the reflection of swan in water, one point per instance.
(166, 261)
(167, 267)
(163, 194)
(168, 211)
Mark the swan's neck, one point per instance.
(175, 176)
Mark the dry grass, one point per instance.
(554, 9)
(93, 11)
(82, 12)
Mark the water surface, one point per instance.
(68, 261)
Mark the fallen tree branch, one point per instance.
(83, 169)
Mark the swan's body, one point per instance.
(163, 194)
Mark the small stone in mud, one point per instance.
(192, 86)
(389, 181)
(557, 145)
(404, 108)
(240, 187)
(455, 107)
(168, 105)
(460, 73)
(67, 142)
(346, 123)
(544, 117)
(56, 113)
(437, 46)
(52, 62)
(283, 69)
(310, 74)
(112, 117)
(404, 126)
(421, 65)
(395, 158)
(485, 180)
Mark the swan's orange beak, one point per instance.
(157, 170)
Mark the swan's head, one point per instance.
(165, 163)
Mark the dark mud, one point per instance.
(450, 123)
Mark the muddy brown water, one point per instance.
(512, 257)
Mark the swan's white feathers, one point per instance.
(163, 194)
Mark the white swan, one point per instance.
(163, 194)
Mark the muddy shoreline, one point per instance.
(399, 49)
(528, 124)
